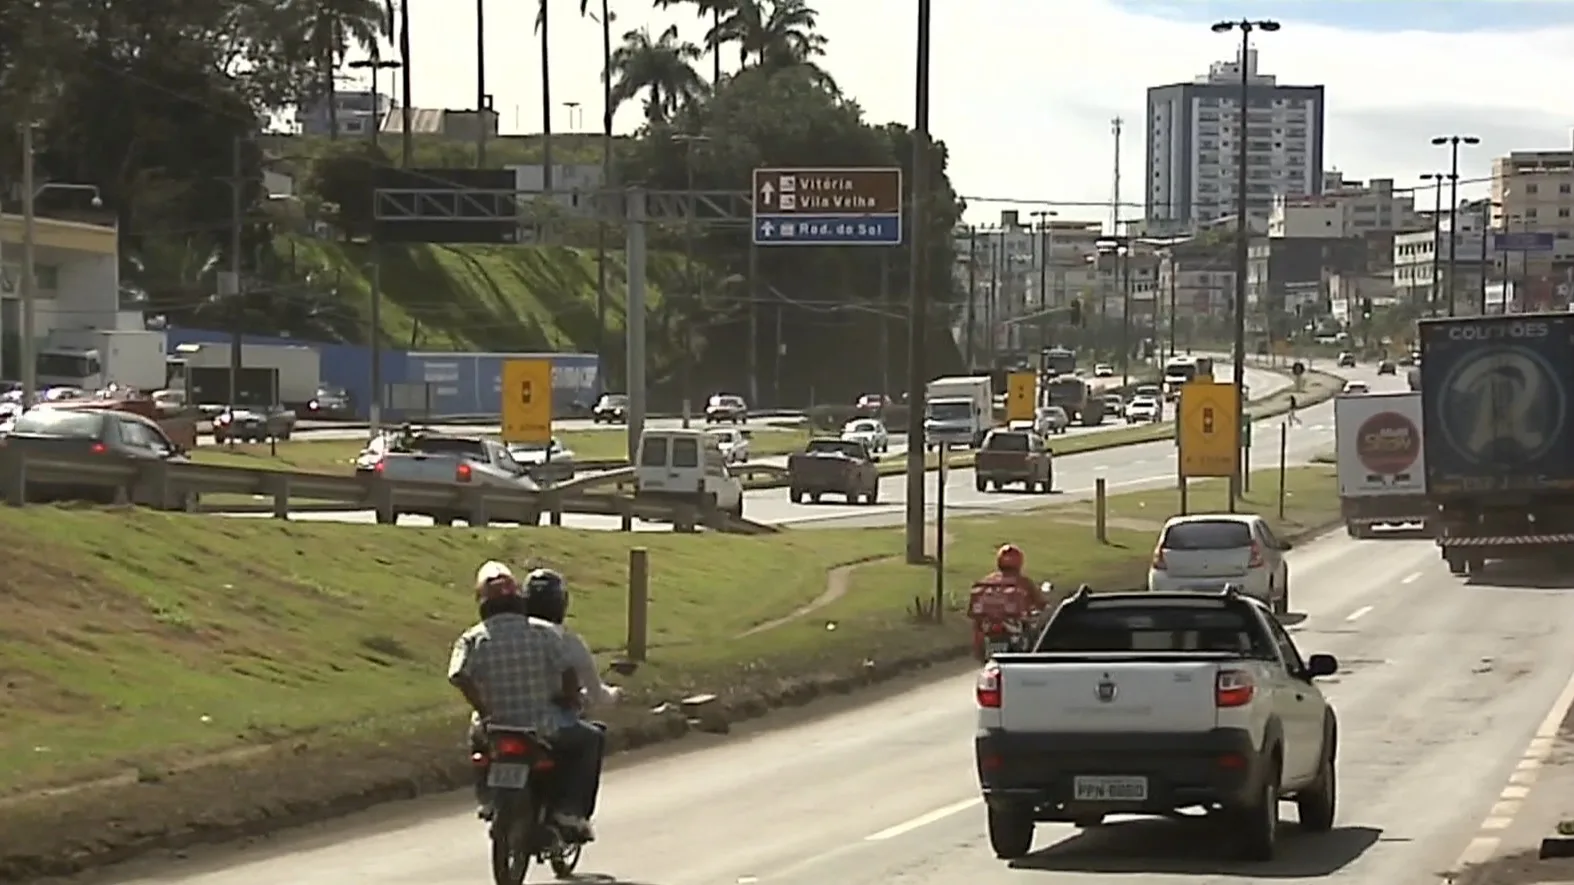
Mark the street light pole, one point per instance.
(375, 64)
(1435, 296)
(1486, 231)
(691, 297)
(29, 362)
(1242, 234)
(1453, 142)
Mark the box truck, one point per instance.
(1382, 468)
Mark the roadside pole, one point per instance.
(1284, 446)
(940, 480)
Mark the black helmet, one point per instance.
(546, 595)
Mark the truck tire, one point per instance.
(1258, 823)
(1457, 563)
(873, 497)
(795, 495)
(1010, 830)
(1317, 803)
(981, 484)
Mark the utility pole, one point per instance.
(972, 294)
(917, 368)
(1174, 272)
(407, 140)
(236, 296)
(1114, 222)
(29, 362)
(885, 321)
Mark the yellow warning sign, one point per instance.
(1021, 388)
(527, 401)
(1207, 429)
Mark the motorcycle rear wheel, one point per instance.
(511, 836)
(564, 857)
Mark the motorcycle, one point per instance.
(518, 766)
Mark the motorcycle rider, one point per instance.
(515, 671)
(1004, 594)
(546, 599)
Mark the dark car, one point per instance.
(253, 424)
(43, 431)
(1386, 367)
(612, 408)
(330, 404)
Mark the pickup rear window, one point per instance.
(1207, 534)
(1007, 442)
(468, 448)
(1207, 627)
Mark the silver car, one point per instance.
(1050, 420)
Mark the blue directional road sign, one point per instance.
(1524, 241)
(828, 207)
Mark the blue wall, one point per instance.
(463, 383)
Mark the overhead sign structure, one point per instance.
(1207, 429)
(1524, 241)
(828, 207)
(444, 206)
(527, 401)
(1020, 390)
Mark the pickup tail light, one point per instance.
(378, 468)
(462, 473)
(1256, 560)
(1233, 688)
(1159, 565)
(98, 448)
(988, 688)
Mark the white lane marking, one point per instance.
(925, 820)
(1411, 578)
(1482, 848)
(1359, 613)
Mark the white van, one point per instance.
(681, 462)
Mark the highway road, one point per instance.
(1441, 687)
(1126, 467)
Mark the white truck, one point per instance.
(1382, 465)
(1152, 703)
(299, 367)
(958, 411)
(92, 359)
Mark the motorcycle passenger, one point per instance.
(514, 671)
(546, 598)
(1004, 594)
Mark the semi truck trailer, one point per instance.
(1498, 436)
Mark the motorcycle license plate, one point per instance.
(997, 647)
(508, 775)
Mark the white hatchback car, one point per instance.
(1205, 551)
(869, 432)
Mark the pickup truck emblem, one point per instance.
(1105, 691)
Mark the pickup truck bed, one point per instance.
(1009, 456)
(1214, 716)
(842, 467)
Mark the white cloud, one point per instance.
(1023, 90)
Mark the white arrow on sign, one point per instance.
(766, 228)
(766, 192)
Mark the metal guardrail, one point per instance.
(166, 485)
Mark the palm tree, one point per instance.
(713, 42)
(329, 27)
(606, 169)
(546, 98)
(662, 69)
(775, 31)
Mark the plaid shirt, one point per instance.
(517, 663)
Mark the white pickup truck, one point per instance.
(1151, 703)
(457, 461)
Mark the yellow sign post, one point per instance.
(1020, 390)
(1207, 429)
(527, 401)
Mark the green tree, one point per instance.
(712, 9)
(661, 69)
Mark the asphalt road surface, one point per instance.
(1126, 467)
(1442, 684)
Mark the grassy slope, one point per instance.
(502, 298)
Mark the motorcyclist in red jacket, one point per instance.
(1003, 595)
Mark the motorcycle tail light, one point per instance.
(511, 746)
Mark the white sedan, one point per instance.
(734, 444)
(1050, 420)
(1356, 388)
(1205, 551)
(869, 432)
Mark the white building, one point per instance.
(1193, 130)
(574, 185)
(1345, 208)
(1421, 260)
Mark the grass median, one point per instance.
(338, 455)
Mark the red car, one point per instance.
(872, 402)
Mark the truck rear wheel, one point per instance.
(795, 495)
(1010, 830)
(1457, 564)
(980, 484)
(873, 496)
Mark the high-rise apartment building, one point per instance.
(1193, 130)
(1533, 191)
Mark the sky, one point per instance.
(1024, 91)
